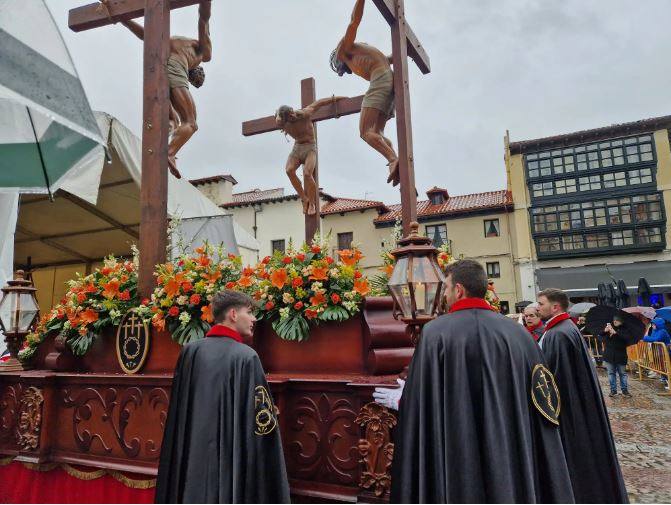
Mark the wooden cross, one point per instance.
(308, 96)
(156, 100)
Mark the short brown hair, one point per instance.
(555, 295)
(470, 275)
(227, 300)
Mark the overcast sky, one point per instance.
(534, 67)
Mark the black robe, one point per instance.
(222, 439)
(468, 430)
(585, 429)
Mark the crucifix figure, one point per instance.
(377, 108)
(298, 125)
(184, 67)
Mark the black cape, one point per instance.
(468, 430)
(585, 429)
(222, 439)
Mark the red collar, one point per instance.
(535, 327)
(470, 303)
(554, 321)
(219, 330)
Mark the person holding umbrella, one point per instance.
(616, 338)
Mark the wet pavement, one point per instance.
(642, 429)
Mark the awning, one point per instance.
(583, 281)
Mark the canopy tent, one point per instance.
(96, 212)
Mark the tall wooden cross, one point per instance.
(308, 96)
(156, 99)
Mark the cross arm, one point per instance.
(343, 107)
(95, 15)
(415, 49)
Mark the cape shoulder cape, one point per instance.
(584, 425)
(222, 439)
(468, 429)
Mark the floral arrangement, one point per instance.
(308, 286)
(91, 303)
(184, 289)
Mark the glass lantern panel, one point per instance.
(8, 310)
(400, 274)
(401, 295)
(423, 270)
(28, 310)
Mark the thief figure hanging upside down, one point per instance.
(377, 107)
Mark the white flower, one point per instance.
(284, 313)
(350, 306)
(184, 318)
(287, 298)
(316, 286)
(115, 314)
(270, 297)
(264, 296)
(67, 325)
(182, 300)
(209, 298)
(335, 273)
(350, 295)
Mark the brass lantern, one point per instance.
(18, 312)
(417, 282)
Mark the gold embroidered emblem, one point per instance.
(265, 418)
(544, 393)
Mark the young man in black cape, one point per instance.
(479, 412)
(585, 429)
(222, 440)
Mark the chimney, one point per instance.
(218, 188)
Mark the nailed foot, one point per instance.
(394, 176)
(312, 210)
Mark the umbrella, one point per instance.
(580, 308)
(647, 313)
(599, 316)
(664, 313)
(46, 123)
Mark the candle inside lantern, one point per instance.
(420, 296)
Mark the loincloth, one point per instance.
(178, 75)
(301, 151)
(380, 94)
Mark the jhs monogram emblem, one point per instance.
(264, 410)
(544, 393)
(132, 343)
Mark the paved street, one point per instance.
(642, 429)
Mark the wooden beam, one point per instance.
(414, 48)
(52, 244)
(308, 96)
(117, 183)
(343, 107)
(36, 266)
(154, 184)
(92, 209)
(94, 15)
(69, 234)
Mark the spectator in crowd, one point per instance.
(658, 332)
(582, 324)
(533, 322)
(616, 338)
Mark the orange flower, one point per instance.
(388, 269)
(310, 314)
(172, 286)
(158, 322)
(206, 314)
(361, 286)
(88, 316)
(279, 278)
(199, 250)
(318, 299)
(81, 297)
(213, 277)
(124, 278)
(204, 261)
(111, 289)
(319, 274)
(90, 288)
(247, 271)
(245, 281)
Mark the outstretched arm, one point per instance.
(350, 34)
(310, 109)
(204, 41)
(134, 27)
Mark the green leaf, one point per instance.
(334, 313)
(82, 343)
(294, 328)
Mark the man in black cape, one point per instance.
(479, 412)
(585, 430)
(222, 440)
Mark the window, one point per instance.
(494, 269)
(345, 240)
(437, 198)
(277, 245)
(492, 228)
(437, 234)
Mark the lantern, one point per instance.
(18, 312)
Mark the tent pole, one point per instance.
(39, 150)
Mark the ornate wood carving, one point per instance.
(322, 438)
(9, 408)
(158, 399)
(376, 449)
(30, 419)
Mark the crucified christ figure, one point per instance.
(184, 67)
(377, 107)
(298, 125)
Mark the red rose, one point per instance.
(81, 297)
(266, 260)
(298, 305)
(187, 286)
(286, 260)
(174, 311)
(335, 298)
(300, 257)
(310, 314)
(297, 282)
(195, 299)
(180, 263)
(128, 266)
(269, 305)
(124, 295)
(145, 301)
(357, 275)
(329, 260)
(232, 256)
(316, 249)
(106, 271)
(230, 285)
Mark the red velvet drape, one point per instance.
(19, 484)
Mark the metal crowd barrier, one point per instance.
(651, 356)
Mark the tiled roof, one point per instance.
(490, 200)
(349, 204)
(214, 178)
(596, 134)
(265, 196)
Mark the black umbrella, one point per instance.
(598, 317)
(644, 291)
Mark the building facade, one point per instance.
(591, 207)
